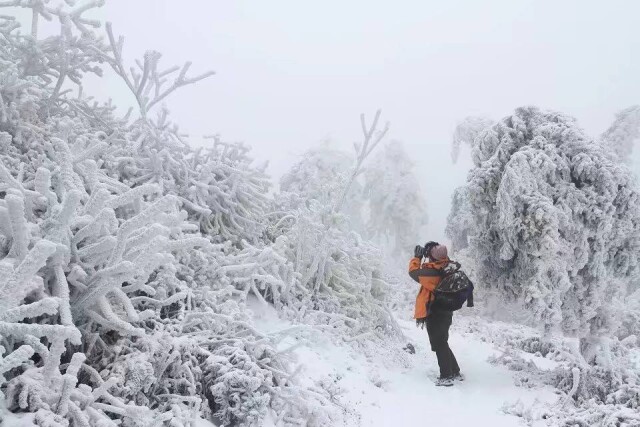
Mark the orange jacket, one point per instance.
(428, 275)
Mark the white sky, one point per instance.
(292, 73)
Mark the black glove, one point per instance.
(418, 252)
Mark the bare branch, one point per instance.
(362, 152)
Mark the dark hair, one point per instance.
(428, 246)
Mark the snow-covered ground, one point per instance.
(373, 392)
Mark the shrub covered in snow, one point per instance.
(114, 305)
(587, 395)
(333, 276)
(127, 256)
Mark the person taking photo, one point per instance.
(437, 319)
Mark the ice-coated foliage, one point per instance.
(331, 177)
(396, 204)
(126, 257)
(466, 132)
(630, 322)
(588, 395)
(320, 176)
(320, 275)
(623, 133)
(62, 253)
(555, 223)
(341, 276)
(384, 202)
(320, 269)
(106, 276)
(220, 188)
(460, 220)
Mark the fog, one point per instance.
(291, 74)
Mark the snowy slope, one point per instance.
(374, 392)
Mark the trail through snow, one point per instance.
(373, 394)
(411, 397)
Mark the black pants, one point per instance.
(438, 324)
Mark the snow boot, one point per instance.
(444, 382)
(458, 377)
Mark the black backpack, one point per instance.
(453, 290)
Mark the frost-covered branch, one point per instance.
(147, 82)
(371, 139)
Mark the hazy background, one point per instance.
(293, 73)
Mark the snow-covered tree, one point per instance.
(320, 175)
(623, 133)
(556, 223)
(329, 259)
(396, 204)
(332, 177)
(318, 269)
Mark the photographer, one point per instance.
(438, 321)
